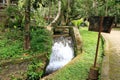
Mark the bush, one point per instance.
(33, 72)
(41, 40)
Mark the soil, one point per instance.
(17, 68)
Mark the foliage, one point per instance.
(13, 78)
(78, 69)
(78, 22)
(44, 3)
(15, 17)
(41, 40)
(82, 8)
(76, 9)
(37, 12)
(10, 49)
(14, 34)
(86, 8)
(11, 43)
(33, 72)
(37, 16)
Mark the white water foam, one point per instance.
(62, 53)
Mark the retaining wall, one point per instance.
(77, 39)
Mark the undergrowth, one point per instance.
(34, 71)
(11, 43)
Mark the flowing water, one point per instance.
(62, 53)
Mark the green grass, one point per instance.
(9, 46)
(79, 68)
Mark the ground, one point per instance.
(111, 65)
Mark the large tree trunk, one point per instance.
(27, 25)
(49, 27)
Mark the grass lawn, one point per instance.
(78, 69)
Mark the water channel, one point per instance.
(62, 53)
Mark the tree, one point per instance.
(57, 17)
(27, 25)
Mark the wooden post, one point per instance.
(93, 74)
(97, 47)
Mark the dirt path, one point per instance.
(111, 62)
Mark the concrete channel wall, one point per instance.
(77, 39)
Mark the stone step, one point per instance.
(2, 6)
(2, 14)
(2, 10)
(62, 27)
(61, 31)
(59, 35)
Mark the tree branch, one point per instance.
(57, 17)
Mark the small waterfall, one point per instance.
(62, 53)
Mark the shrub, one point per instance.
(41, 40)
(34, 72)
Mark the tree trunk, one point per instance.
(106, 8)
(65, 13)
(8, 3)
(57, 17)
(69, 9)
(49, 14)
(95, 7)
(27, 25)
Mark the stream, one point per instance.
(62, 53)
